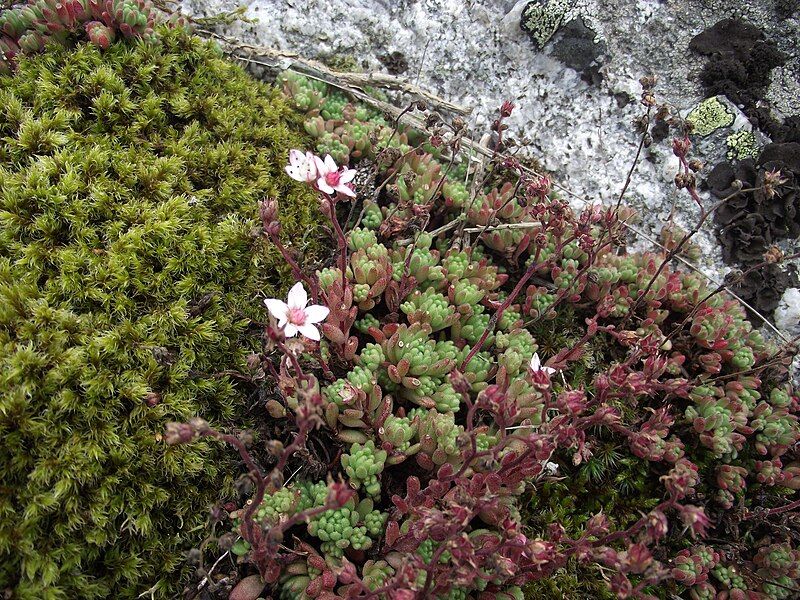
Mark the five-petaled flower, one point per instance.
(294, 316)
(302, 167)
(331, 179)
(536, 365)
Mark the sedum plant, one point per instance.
(129, 183)
(501, 398)
(27, 29)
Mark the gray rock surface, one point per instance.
(787, 315)
(473, 52)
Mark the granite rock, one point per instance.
(475, 53)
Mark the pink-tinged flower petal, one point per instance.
(290, 330)
(309, 331)
(296, 157)
(320, 164)
(278, 309)
(302, 166)
(347, 191)
(347, 176)
(311, 165)
(536, 365)
(293, 173)
(316, 313)
(297, 296)
(323, 186)
(330, 164)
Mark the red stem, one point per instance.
(341, 240)
(499, 312)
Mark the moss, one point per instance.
(129, 185)
(570, 583)
(708, 116)
(345, 63)
(611, 482)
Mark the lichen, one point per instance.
(742, 144)
(709, 115)
(542, 18)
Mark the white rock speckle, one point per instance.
(787, 315)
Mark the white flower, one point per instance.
(294, 316)
(302, 167)
(331, 179)
(536, 365)
(551, 467)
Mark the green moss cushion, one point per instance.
(129, 182)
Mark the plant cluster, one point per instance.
(129, 183)
(27, 29)
(483, 347)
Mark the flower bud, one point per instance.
(339, 493)
(178, 433)
(599, 524)
(639, 558)
(348, 573)
(152, 399)
(695, 519)
(268, 210)
(459, 382)
(253, 361)
(540, 188)
(656, 526)
(199, 425)
(680, 146)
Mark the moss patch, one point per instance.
(129, 182)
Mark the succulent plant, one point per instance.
(29, 28)
(654, 419)
(363, 464)
(351, 526)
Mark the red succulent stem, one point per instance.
(501, 309)
(297, 272)
(341, 240)
(772, 511)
